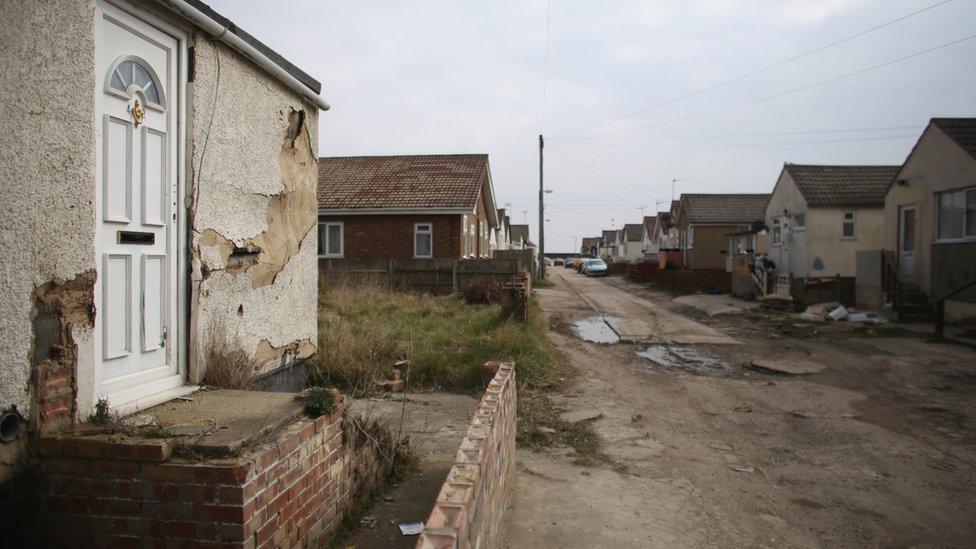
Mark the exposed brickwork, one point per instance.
(472, 501)
(290, 491)
(391, 236)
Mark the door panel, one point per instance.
(117, 170)
(907, 228)
(136, 230)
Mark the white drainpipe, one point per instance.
(221, 33)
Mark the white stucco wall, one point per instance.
(47, 170)
(790, 255)
(47, 167)
(238, 130)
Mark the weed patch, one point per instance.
(364, 330)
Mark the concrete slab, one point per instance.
(714, 305)
(221, 422)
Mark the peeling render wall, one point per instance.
(253, 147)
(47, 173)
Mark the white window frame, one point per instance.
(342, 239)
(429, 232)
(845, 221)
(938, 217)
(777, 232)
(797, 226)
(689, 237)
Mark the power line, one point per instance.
(760, 70)
(732, 135)
(647, 168)
(633, 187)
(799, 89)
(767, 144)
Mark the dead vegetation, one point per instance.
(226, 364)
(364, 329)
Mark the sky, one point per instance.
(435, 77)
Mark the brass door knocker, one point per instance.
(137, 113)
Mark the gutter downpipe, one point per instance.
(218, 31)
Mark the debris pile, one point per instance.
(832, 310)
(776, 302)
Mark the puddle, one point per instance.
(597, 329)
(685, 358)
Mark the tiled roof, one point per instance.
(609, 238)
(960, 130)
(664, 218)
(519, 233)
(420, 181)
(723, 208)
(634, 231)
(590, 241)
(836, 186)
(650, 223)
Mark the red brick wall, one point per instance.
(391, 236)
(290, 491)
(472, 501)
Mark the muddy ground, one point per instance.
(876, 449)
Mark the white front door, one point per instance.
(136, 108)
(906, 243)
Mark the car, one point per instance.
(571, 263)
(595, 267)
(557, 263)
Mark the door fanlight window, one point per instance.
(130, 74)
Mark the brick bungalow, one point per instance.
(406, 206)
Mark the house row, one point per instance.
(882, 228)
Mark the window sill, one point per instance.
(962, 240)
(340, 256)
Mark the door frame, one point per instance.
(902, 208)
(180, 339)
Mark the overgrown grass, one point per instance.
(365, 329)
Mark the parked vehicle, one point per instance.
(557, 262)
(571, 263)
(596, 267)
(579, 264)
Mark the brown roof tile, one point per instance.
(634, 231)
(836, 186)
(650, 223)
(723, 208)
(408, 181)
(960, 130)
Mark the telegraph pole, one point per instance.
(542, 219)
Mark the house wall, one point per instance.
(47, 172)
(790, 255)
(828, 253)
(254, 160)
(937, 164)
(709, 247)
(391, 236)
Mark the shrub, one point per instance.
(482, 291)
(319, 401)
(101, 415)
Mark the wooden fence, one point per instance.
(430, 276)
(689, 282)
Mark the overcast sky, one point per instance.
(468, 77)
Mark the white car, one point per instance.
(595, 267)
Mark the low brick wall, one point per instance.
(472, 501)
(291, 490)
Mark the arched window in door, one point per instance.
(130, 74)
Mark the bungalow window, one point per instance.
(689, 238)
(957, 214)
(330, 239)
(800, 222)
(848, 228)
(777, 232)
(423, 242)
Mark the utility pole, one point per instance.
(576, 244)
(542, 219)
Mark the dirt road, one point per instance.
(877, 449)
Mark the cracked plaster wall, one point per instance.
(47, 170)
(253, 243)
